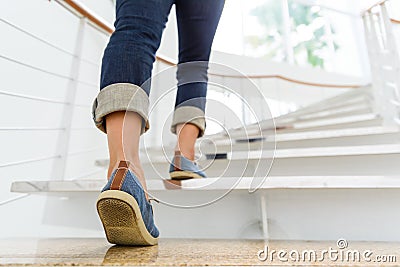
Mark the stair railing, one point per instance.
(384, 61)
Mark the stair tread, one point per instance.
(308, 152)
(361, 150)
(358, 131)
(321, 151)
(303, 126)
(339, 120)
(341, 134)
(337, 112)
(224, 183)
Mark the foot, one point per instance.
(183, 168)
(126, 214)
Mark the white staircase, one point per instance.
(328, 178)
(326, 171)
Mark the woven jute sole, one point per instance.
(181, 175)
(122, 219)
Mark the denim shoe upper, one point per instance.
(132, 186)
(180, 163)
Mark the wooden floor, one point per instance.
(188, 252)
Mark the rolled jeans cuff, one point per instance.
(120, 97)
(189, 114)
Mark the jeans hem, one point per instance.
(189, 114)
(120, 97)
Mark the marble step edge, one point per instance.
(374, 131)
(321, 134)
(327, 105)
(318, 152)
(223, 183)
(339, 120)
(333, 151)
(292, 116)
(241, 132)
(341, 112)
(351, 110)
(297, 136)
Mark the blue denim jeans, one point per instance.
(129, 56)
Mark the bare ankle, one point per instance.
(188, 153)
(187, 135)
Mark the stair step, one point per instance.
(333, 121)
(321, 138)
(364, 131)
(356, 121)
(302, 208)
(289, 153)
(319, 152)
(319, 161)
(342, 111)
(350, 136)
(346, 111)
(347, 101)
(331, 104)
(335, 151)
(328, 106)
(332, 115)
(334, 124)
(223, 183)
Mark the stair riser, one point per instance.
(328, 114)
(318, 142)
(325, 108)
(337, 112)
(366, 123)
(381, 164)
(352, 112)
(292, 214)
(300, 128)
(303, 214)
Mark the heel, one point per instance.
(122, 220)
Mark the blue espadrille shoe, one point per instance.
(126, 214)
(183, 168)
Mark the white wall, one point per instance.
(40, 39)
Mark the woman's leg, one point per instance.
(121, 107)
(123, 134)
(197, 23)
(187, 135)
